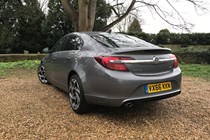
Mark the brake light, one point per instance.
(113, 62)
(176, 63)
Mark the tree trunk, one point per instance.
(71, 12)
(91, 14)
(83, 14)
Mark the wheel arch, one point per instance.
(69, 76)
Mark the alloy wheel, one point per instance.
(74, 94)
(41, 74)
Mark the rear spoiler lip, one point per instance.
(141, 49)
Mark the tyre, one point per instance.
(76, 95)
(41, 74)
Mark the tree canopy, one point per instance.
(135, 26)
(56, 24)
(20, 26)
(24, 26)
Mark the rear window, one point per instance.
(115, 40)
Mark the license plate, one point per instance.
(158, 87)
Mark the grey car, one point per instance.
(110, 69)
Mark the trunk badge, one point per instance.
(155, 59)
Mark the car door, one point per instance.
(67, 58)
(52, 63)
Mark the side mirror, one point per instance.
(46, 50)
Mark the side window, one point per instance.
(73, 43)
(58, 45)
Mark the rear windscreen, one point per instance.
(115, 40)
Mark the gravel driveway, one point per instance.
(31, 110)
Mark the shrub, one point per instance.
(193, 56)
(20, 57)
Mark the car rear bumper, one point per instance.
(154, 98)
(113, 88)
(121, 102)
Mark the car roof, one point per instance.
(90, 33)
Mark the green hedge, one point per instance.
(193, 57)
(20, 57)
(184, 56)
(174, 38)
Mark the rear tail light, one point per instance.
(176, 63)
(113, 62)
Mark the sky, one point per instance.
(152, 23)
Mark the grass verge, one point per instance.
(193, 70)
(196, 70)
(7, 67)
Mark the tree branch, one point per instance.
(198, 5)
(163, 15)
(117, 4)
(114, 10)
(121, 17)
(70, 11)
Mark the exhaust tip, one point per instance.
(128, 104)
